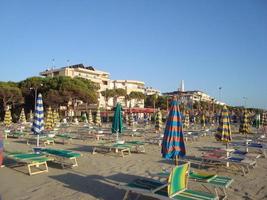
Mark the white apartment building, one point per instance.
(152, 91)
(103, 79)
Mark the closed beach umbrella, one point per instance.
(131, 119)
(117, 124)
(98, 118)
(186, 120)
(158, 124)
(126, 118)
(244, 125)
(31, 116)
(38, 121)
(203, 121)
(258, 121)
(49, 124)
(22, 118)
(8, 118)
(224, 130)
(173, 141)
(90, 118)
(264, 122)
(84, 118)
(55, 117)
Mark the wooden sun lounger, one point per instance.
(35, 163)
(124, 150)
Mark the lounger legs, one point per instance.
(37, 165)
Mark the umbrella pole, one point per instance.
(38, 138)
(176, 160)
(117, 136)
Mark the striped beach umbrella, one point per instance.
(126, 118)
(264, 119)
(55, 117)
(224, 130)
(158, 124)
(203, 121)
(84, 118)
(244, 125)
(186, 120)
(98, 118)
(22, 118)
(90, 118)
(173, 140)
(117, 125)
(8, 118)
(258, 121)
(49, 124)
(38, 121)
(131, 120)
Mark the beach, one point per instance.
(98, 174)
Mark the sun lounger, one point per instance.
(256, 146)
(43, 140)
(36, 163)
(123, 149)
(219, 158)
(219, 183)
(174, 188)
(65, 138)
(63, 157)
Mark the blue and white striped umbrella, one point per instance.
(38, 121)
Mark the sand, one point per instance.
(96, 175)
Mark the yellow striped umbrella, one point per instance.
(244, 125)
(186, 120)
(131, 119)
(224, 130)
(8, 118)
(22, 118)
(158, 124)
(49, 119)
(55, 117)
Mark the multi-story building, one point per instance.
(152, 91)
(103, 79)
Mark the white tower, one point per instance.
(182, 86)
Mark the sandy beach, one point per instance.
(97, 174)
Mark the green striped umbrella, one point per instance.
(224, 130)
(8, 118)
(117, 125)
(158, 124)
(49, 119)
(90, 118)
(22, 118)
(258, 121)
(98, 118)
(244, 125)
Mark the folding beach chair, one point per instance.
(174, 188)
(63, 157)
(36, 163)
(252, 145)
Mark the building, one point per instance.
(193, 96)
(152, 91)
(103, 79)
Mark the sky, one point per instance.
(207, 43)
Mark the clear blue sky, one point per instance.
(207, 43)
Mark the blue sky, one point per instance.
(207, 43)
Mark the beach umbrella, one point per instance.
(38, 121)
(186, 120)
(224, 129)
(49, 124)
(258, 121)
(8, 118)
(126, 118)
(22, 118)
(131, 119)
(264, 119)
(31, 116)
(173, 146)
(244, 125)
(98, 117)
(203, 121)
(158, 124)
(117, 125)
(90, 118)
(55, 117)
(84, 118)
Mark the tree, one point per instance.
(10, 94)
(135, 95)
(107, 94)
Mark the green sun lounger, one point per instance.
(175, 188)
(38, 162)
(63, 157)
